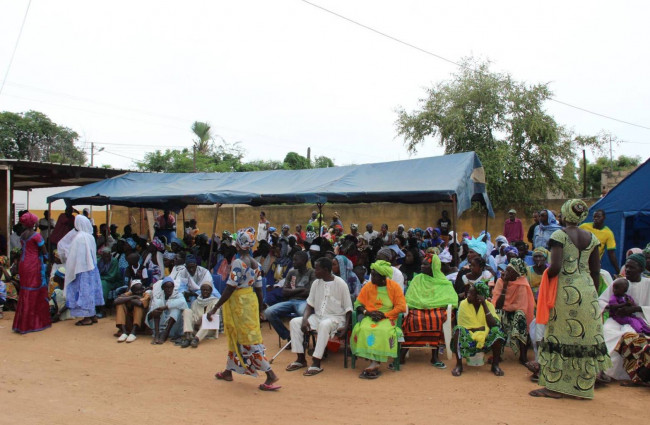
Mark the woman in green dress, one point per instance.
(573, 351)
(381, 301)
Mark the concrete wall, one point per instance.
(419, 215)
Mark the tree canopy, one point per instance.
(525, 152)
(33, 136)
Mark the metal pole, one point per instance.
(320, 218)
(92, 153)
(234, 218)
(214, 229)
(453, 225)
(487, 211)
(28, 190)
(49, 231)
(584, 174)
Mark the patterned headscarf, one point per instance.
(575, 211)
(638, 258)
(28, 220)
(60, 272)
(158, 244)
(482, 289)
(541, 250)
(518, 265)
(383, 268)
(428, 258)
(245, 240)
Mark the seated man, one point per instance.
(130, 310)
(328, 311)
(165, 312)
(193, 316)
(295, 292)
(191, 279)
(109, 272)
(478, 329)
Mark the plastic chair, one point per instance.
(396, 364)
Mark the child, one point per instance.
(620, 299)
(58, 309)
(478, 273)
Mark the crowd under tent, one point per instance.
(458, 179)
(627, 213)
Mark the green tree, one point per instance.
(33, 136)
(523, 150)
(323, 162)
(294, 161)
(595, 170)
(203, 133)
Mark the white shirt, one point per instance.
(370, 236)
(330, 299)
(398, 277)
(263, 231)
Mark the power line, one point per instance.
(13, 53)
(428, 52)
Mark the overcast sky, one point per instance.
(283, 75)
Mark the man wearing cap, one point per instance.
(513, 230)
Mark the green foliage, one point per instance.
(294, 161)
(323, 162)
(33, 136)
(203, 133)
(525, 153)
(595, 170)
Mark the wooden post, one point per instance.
(454, 219)
(487, 214)
(214, 229)
(182, 227)
(320, 218)
(49, 231)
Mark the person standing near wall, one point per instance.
(604, 235)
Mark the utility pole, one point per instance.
(92, 153)
(584, 174)
(611, 157)
(194, 157)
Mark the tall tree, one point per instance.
(35, 137)
(203, 133)
(323, 162)
(523, 150)
(295, 161)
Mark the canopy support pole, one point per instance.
(454, 219)
(182, 227)
(214, 229)
(487, 215)
(320, 218)
(49, 231)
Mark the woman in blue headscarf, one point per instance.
(342, 267)
(547, 225)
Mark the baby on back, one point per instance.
(617, 306)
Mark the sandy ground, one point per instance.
(80, 375)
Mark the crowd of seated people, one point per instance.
(388, 292)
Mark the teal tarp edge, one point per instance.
(433, 179)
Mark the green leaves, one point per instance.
(33, 136)
(526, 154)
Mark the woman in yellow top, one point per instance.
(381, 301)
(535, 272)
(478, 329)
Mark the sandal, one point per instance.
(269, 387)
(370, 374)
(222, 377)
(439, 365)
(497, 370)
(83, 322)
(295, 366)
(312, 370)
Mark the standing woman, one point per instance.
(242, 303)
(33, 310)
(573, 351)
(83, 284)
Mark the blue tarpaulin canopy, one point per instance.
(627, 213)
(433, 179)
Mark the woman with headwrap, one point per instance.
(376, 337)
(474, 268)
(616, 334)
(33, 309)
(515, 305)
(83, 283)
(535, 272)
(242, 306)
(546, 227)
(573, 352)
(478, 329)
(342, 267)
(436, 240)
(427, 297)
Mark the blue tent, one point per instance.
(432, 179)
(627, 213)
